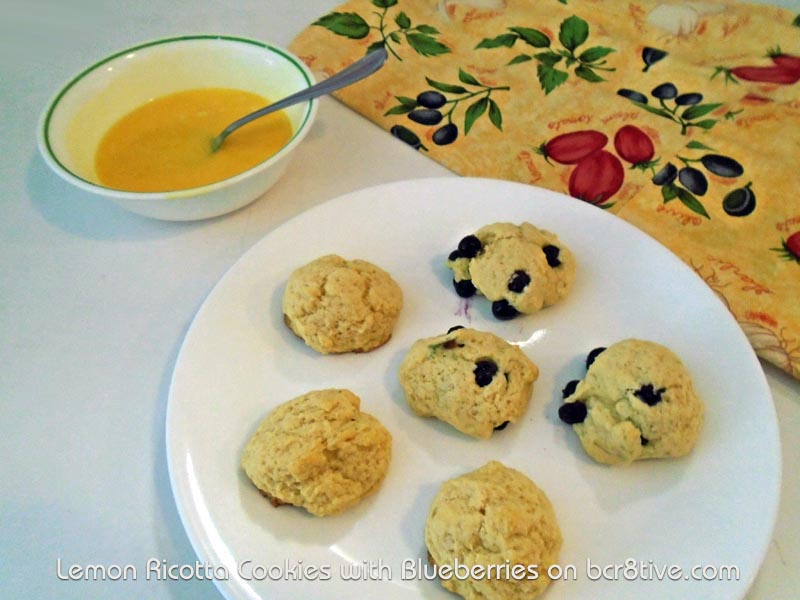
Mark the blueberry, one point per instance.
(406, 135)
(425, 116)
(592, 355)
(689, 99)
(665, 91)
(431, 99)
(551, 253)
(454, 255)
(469, 246)
(693, 180)
(644, 441)
(740, 202)
(446, 134)
(572, 412)
(651, 56)
(464, 288)
(502, 310)
(484, 371)
(570, 388)
(632, 95)
(723, 166)
(502, 426)
(519, 281)
(666, 175)
(649, 395)
(455, 328)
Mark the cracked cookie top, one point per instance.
(337, 305)
(318, 451)
(519, 268)
(473, 380)
(494, 517)
(637, 401)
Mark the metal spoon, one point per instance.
(347, 76)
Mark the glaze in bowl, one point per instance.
(75, 121)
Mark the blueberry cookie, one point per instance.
(519, 268)
(473, 380)
(493, 517)
(318, 451)
(337, 305)
(637, 401)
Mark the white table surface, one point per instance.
(94, 304)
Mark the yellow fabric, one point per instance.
(750, 261)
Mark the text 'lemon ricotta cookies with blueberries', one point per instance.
(495, 533)
(337, 305)
(519, 268)
(473, 380)
(318, 451)
(637, 401)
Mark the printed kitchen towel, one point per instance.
(682, 118)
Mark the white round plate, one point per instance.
(646, 530)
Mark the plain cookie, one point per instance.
(519, 268)
(337, 305)
(637, 401)
(493, 516)
(473, 380)
(318, 451)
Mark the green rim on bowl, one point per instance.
(45, 127)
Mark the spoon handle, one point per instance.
(347, 76)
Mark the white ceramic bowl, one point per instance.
(73, 124)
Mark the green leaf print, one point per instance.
(447, 88)
(495, 116)
(520, 59)
(437, 107)
(587, 74)
(474, 111)
(426, 45)
(532, 37)
(573, 33)
(402, 20)
(691, 202)
(420, 38)
(349, 25)
(504, 40)
(594, 54)
(550, 78)
(465, 77)
(699, 110)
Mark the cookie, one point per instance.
(473, 380)
(637, 401)
(337, 305)
(496, 518)
(318, 451)
(519, 268)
